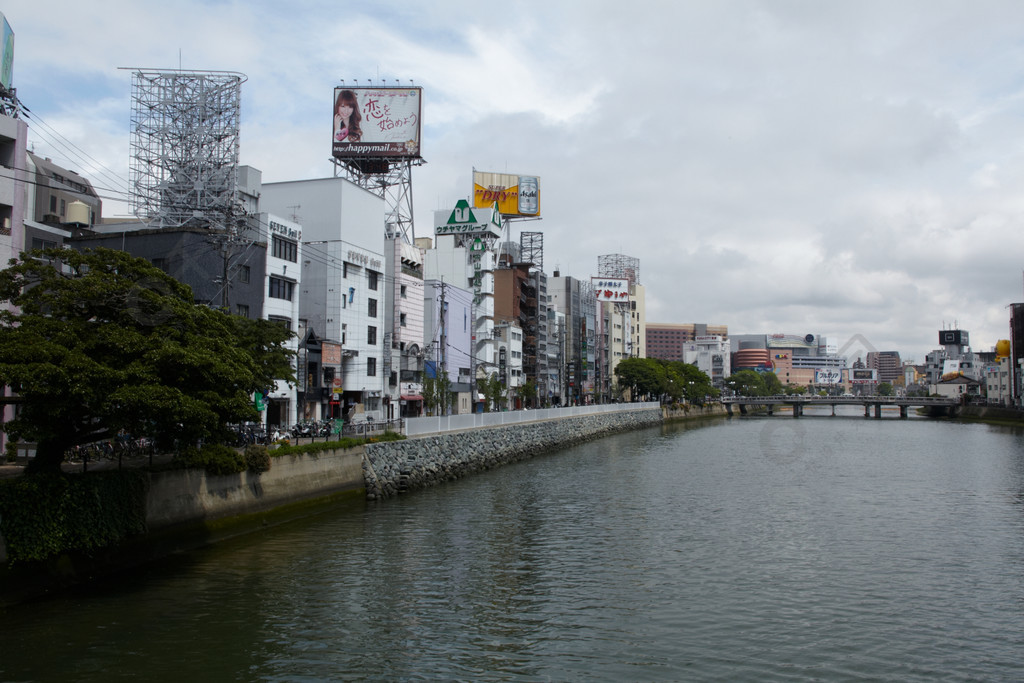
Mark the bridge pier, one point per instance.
(878, 411)
(903, 412)
(833, 410)
(798, 410)
(770, 409)
(867, 410)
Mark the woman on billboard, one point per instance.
(347, 118)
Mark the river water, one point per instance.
(764, 549)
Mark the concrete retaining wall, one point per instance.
(687, 411)
(394, 467)
(187, 496)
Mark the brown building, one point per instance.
(888, 364)
(515, 301)
(667, 341)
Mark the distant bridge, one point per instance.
(942, 405)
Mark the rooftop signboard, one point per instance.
(466, 220)
(371, 123)
(516, 195)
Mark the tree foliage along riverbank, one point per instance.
(99, 342)
(660, 379)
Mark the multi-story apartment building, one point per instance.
(669, 341)
(955, 356)
(448, 323)
(403, 351)
(343, 293)
(464, 252)
(13, 151)
(516, 300)
(711, 354)
(509, 337)
(888, 364)
(576, 301)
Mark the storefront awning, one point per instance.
(411, 397)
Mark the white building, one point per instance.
(509, 338)
(998, 382)
(343, 284)
(711, 354)
(448, 321)
(464, 254)
(282, 284)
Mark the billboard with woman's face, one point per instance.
(376, 122)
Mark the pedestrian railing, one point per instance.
(421, 426)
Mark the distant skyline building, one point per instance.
(668, 341)
(888, 364)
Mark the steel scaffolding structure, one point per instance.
(184, 148)
(619, 266)
(532, 248)
(392, 182)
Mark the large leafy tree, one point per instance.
(97, 342)
(641, 376)
(747, 383)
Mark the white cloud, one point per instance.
(843, 168)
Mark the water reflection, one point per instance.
(757, 548)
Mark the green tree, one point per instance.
(885, 389)
(493, 391)
(437, 393)
(527, 392)
(689, 382)
(643, 377)
(772, 384)
(747, 383)
(98, 341)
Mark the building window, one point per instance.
(402, 291)
(281, 288)
(372, 275)
(243, 274)
(344, 269)
(371, 367)
(63, 207)
(371, 335)
(401, 319)
(160, 263)
(242, 310)
(371, 308)
(284, 322)
(285, 249)
(53, 203)
(44, 244)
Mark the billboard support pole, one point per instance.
(394, 187)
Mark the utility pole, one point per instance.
(443, 347)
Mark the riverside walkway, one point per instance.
(944, 405)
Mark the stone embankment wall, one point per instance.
(687, 411)
(395, 467)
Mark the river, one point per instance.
(763, 549)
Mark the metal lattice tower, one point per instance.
(532, 247)
(392, 182)
(619, 266)
(184, 148)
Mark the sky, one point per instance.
(848, 169)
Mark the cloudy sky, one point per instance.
(852, 169)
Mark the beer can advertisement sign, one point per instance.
(516, 195)
(376, 122)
